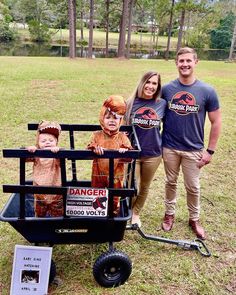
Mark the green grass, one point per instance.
(99, 38)
(72, 91)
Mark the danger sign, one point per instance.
(83, 201)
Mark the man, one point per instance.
(183, 136)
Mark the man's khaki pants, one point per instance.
(173, 160)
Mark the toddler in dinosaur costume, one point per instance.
(47, 171)
(111, 118)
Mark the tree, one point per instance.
(169, 29)
(151, 16)
(123, 25)
(80, 12)
(72, 28)
(107, 24)
(159, 13)
(108, 14)
(181, 23)
(6, 32)
(90, 49)
(59, 13)
(233, 44)
(221, 36)
(192, 20)
(38, 19)
(190, 8)
(141, 17)
(131, 4)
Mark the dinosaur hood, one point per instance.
(48, 127)
(117, 106)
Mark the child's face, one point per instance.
(47, 141)
(111, 123)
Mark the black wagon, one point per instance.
(113, 267)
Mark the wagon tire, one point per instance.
(53, 272)
(112, 269)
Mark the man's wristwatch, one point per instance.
(211, 152)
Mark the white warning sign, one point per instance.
(82, 201)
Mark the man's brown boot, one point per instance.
(168, 222)
(197, 229)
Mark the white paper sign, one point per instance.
(31, 269)
(82, 201)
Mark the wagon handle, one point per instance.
(202, 248)
(197, 244)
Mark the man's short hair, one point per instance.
(185, 50)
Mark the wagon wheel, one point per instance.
(52, 272)
(112, 269)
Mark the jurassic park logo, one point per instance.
(183, 103)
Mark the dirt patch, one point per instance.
(49, 84)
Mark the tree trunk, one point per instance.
(141, 28)
(107, 26)
(131, 4)
(121, 46)
(82, 23)
(152, 35)
(157, 36)
(75, 19)
(90, 49)
(233, 44)
(169, 30)
(72, 28)
(181, 26)
(81, 32)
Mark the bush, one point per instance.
(82, 43)
(221, 36)
(197, 40)
(6, 33)
(220, 39)
(39, 32)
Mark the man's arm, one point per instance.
(215, 119)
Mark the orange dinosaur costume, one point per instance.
(112, 140)
(47, 172)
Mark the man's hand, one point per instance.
(206, 159)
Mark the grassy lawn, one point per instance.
(72, 91)
(99, 38)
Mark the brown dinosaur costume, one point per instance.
(112, 140)
(47, 172)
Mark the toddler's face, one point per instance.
(47, 141)
(111, 122)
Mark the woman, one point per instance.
(145, 109)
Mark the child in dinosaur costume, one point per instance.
(47, 171)
(111, 118)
